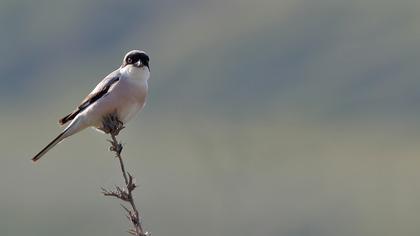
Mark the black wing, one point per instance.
(100, 90)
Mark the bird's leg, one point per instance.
(111, 124)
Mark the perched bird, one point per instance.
(123, 91)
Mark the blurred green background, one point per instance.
(288, 117)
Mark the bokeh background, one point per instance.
(271, 117)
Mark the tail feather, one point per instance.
(49, 146)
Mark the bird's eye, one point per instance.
(129, 60)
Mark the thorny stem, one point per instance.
(113, 126)
(117, 148)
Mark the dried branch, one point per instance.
(112, 125)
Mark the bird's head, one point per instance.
(137, 59)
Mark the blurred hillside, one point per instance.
(322, 58)
(295, 118)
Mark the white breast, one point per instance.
(133, 88)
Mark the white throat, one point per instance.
(135, 73)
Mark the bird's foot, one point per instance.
(111, 124)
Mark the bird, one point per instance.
(123, 92)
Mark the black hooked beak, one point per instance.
(146, 63)
(141, 64)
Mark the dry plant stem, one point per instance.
(113, 126)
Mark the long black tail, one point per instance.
(49, 146)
